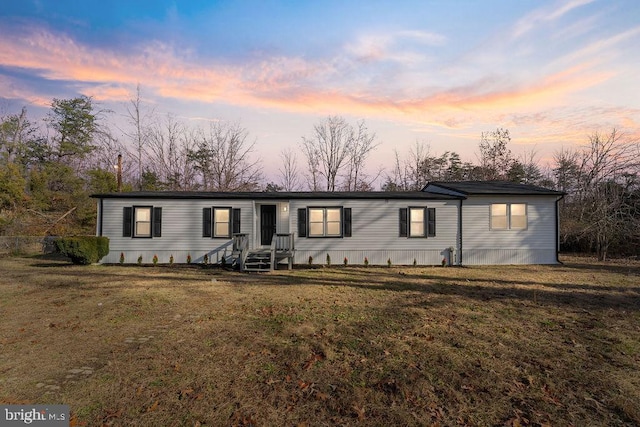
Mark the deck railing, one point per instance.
(283, 243)
(282, 247)
(241, 247)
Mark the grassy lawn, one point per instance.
(161, 346)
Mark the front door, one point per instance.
(267, 224)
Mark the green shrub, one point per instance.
(83, 249)
(102, 244)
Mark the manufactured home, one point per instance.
(457, 223)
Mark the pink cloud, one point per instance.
(297, 85)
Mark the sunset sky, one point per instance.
(435, 71)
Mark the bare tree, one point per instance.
(495, 158)
(289, 177)
(313, 165)
(566, 171)
(222, 157)
(608, 172)
(601, 210)
(169, 145)
(334, 147)
(398, 180)
(138, 119)
(420, 167)
(15, 131)
(532, 173)
(361, 147)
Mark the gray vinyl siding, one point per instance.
(534, 245)
(375, 234)
(181, 231)
(375, 231)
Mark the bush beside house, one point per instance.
(83, 249)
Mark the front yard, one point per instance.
(517, 345)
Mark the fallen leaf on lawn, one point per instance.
(111, 414)
(73, 422)
(316, 357)
(303, 385)
(321, 396)
(359, 411)
(154, 406)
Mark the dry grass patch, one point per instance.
(517, 345)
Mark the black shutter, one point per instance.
(346, 222)
(431, 222)
(157, 222)
(403, 222)
(235, 221)
(302, 222)
(127, 221)
(206, 222)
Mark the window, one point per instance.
(499, 217)
(220, 222)
(508, 216)
(324, 222)
(416, 217)
(142, 221)
(417, 222)
(518, 216)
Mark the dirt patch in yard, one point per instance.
(148, 346)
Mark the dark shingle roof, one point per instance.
(377, 195)
(470, 188)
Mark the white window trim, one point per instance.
(509, 217)
(325, 221)
(214, 229)
(136, 222)
(424, 222)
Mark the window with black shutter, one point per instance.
(141, 221)
(417, 222)
(220, 222)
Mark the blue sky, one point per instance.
(439, 72)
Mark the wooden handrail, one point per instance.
(284, 242)
(241, 244)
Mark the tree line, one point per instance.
(49, 169)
